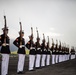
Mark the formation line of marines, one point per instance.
(40, 54)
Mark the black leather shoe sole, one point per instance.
(20, 72)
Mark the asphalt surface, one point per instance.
(64, 68)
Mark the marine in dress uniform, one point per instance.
(48, 55)
(53, 52)
(21, 53)
(57, 52)
(31, 46)
(38, 52)
(67, 53)
(19, 42)
(72, 53)
(60, 52)
(43, 48)
(5, 49)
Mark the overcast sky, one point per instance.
(54, 18)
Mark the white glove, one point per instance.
(44, 49)
(30, 47)
(4, 44)
(20, 46)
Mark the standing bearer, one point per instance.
(48, 53)
(65, 53)
(72, 52)
(5, 50)
(57, 52)
(53, 52)
(31, 46)
(20, 43)
(60, 52)
(43, 48)
(68, 52)
(38, 52)
(65, 50)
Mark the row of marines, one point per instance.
(42, 52)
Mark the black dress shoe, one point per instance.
(37, 67)
(20, 72)
(32, 70)
(42, 66)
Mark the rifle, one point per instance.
(20, 33)
(5, 28)
(43, 37)
(60, 45)
(37, 33)
(52, 47)
(68, 48)
(37, 37)
(65, 47)
(31, 34)
(60, 42)
(52, 42)
(44, 42)
(48, 42)
(56, 43)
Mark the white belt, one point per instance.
(57, 51)
(32, 48)
(38, 48)
(44, 49)
(23, 45)
(7, 44)
(48, 49)
(60, 51)
(53, 50)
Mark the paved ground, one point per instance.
(64, 68)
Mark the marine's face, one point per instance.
(22, 35)
(38, 40)
(5, 31)
(31, 38)
(43, 41)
